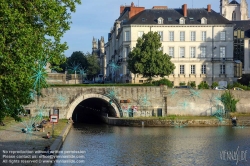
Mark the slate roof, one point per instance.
(243, 25)
(150, 16)
(234, 2)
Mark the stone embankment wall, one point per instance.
(203, 102)
(172, 123)
(148, 101)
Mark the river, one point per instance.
(105, 145)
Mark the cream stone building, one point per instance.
(200, 42)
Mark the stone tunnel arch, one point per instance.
(83, 97)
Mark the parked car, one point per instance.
(184, 87)
(237, 88)
(86, 82)
(220, 88)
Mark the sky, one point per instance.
(95, 18)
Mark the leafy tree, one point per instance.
(229, 101)
(203, 85)
(93, 66)
(148, 59)
(77, 57)
(30, 32)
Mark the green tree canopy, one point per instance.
(93, 66)
(77, 57)
(148, 59)
(30, 32)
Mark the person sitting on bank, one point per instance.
(24, 130)
(70, 120)
(47, 136)
(234, 121)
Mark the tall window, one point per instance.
(223, 35)
(203, 52)
(182, 69)
(203, 35)
(126, 51)
(222, 52)
(171, 35)
(192, 69)
(193, 36)
(140, 33)
(161, 35)
(203, 69)
(234, 15)
(182, 36)
(222, 69)
(182, 52)
(192, 52)
(171, 51)
(127, 36)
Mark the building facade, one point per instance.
(200, 42)
(242, 44)
(98, 49)
(233, 10)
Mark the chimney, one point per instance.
(184, 8)
(209, 7)
(160, 7)
(122, 9)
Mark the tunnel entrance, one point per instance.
(91, 110)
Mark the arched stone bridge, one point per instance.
(124, 101)
(119, 101)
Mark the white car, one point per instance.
(220, 88)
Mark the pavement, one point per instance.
(17, 148)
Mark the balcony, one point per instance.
(192, 75)
(221, 59)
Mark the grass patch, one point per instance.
(58, 127)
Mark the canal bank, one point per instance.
(55, 147)
(173, 122)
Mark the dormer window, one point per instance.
(182, 20)
(160, 20)
(203, 20)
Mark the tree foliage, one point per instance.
(30, 31)
(203, 85)
(229, 101)
(163, 81)
(78, 57)
(93, 66)
(148, 59)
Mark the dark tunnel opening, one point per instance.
(91, 110)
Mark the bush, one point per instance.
(229, 101)
(182, 83)
(192, 84)
(203, 85)
(214, 84)
(163, 81)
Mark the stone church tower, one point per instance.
(234, 11)
(98, 50)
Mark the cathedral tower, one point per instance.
(233, 10)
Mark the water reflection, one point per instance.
(112, 145)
